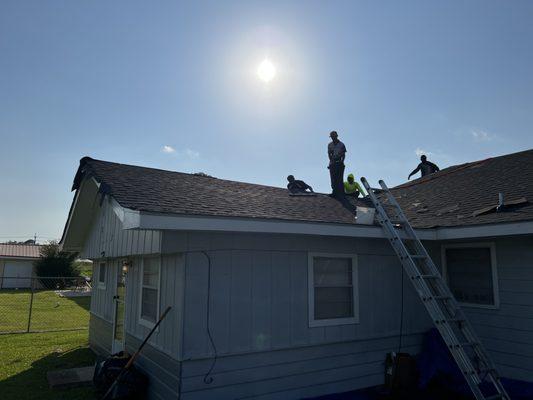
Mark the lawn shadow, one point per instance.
(32, 383)
(82, 301)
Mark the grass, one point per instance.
(49, 311)
(25, 359)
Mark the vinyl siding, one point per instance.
(107, 238)
(294, 373)
(163, 371)
(507, 332)
(100, 335)
(259, 316)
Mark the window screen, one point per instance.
(101, 273)
(150, 289)
(469, 272)
(333, 288)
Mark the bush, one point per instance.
(55, 263)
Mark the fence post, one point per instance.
(31, 306)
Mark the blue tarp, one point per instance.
(435, 363)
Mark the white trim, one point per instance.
(311, 291)
(144, 322)
(256, 225)
(100, 284)
(487, 230)
(114, 348)
(494, 270)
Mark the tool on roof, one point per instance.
(425, 167)
(451, 322)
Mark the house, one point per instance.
(16, 265)
(282, 297)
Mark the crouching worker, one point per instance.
(297, 187)
(352, 188)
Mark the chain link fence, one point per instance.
(44, 304)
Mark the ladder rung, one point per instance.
(459, 320)
(428, 276)
(464, 344)
(442, 297)
(494, 397)
(483, 371)
(419, 256)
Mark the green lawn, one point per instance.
(49, 311)
(25, 359)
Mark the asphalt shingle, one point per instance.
(446, 198)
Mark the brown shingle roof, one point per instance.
(450, 197)
(20, 250)
(446, 198)
(160, 191)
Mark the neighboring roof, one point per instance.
(446, 198)
(452, 196)
(160, 191)
(20, 250)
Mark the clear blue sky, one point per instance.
(120, 80)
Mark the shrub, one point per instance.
(55, 263)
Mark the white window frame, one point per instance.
(311, 292)
(494, 268)
(142, 321)
(102, 284)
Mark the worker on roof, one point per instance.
(336, 154)
(425, 167)
(352, 187)
(296, 186)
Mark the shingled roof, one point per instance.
(455, 195)
(447, 198)
(160, 191)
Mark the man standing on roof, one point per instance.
(352, 187)
(336, 153)
(425, 167)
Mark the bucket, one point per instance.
(365, 215)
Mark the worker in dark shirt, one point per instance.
(336, 154)
(425, 167)
(297, 186)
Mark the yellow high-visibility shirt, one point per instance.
(350, 188)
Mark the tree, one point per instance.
(55, 263)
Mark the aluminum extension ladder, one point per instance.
(466, 349)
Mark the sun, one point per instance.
(266, 71)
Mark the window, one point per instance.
(470, 270)
(101, 275)
(149, 307)
(332, 290)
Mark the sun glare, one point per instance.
(266, 71)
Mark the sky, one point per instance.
(174, 85)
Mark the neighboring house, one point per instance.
(16, 265)
(288, 294)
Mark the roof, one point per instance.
(446, 198)
(160, 191)
(20, 250)
(452, 196)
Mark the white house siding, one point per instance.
(108, 239)
(16, 272)
(507, 332)
(259, 316)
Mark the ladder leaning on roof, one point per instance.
(466, 349)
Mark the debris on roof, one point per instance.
(509, 205)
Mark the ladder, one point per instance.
(451, 322)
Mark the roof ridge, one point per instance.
(454, 168)
(195, 174)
